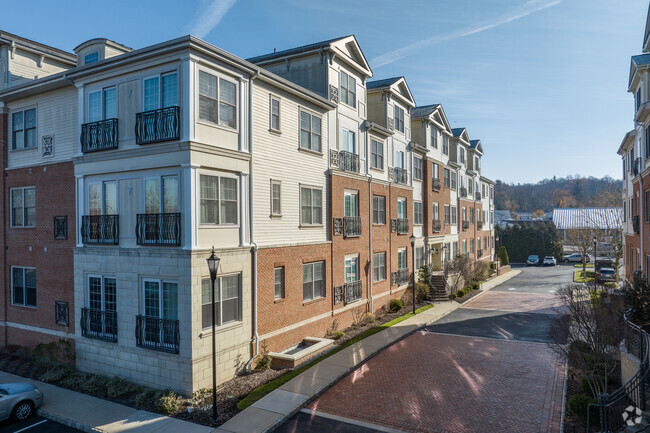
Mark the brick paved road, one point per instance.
(477, 370)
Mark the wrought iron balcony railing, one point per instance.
(635, 224)
(156, 126)
(99, 324)
(352, 226)
(403, 276)
(97, 136)
(400, 175)
(352, 291)
(436, 226)
(402, 226)
(636, 166)
(100, 229)
(477, 196)
(348, 161)
(479, 225)
(435, 185)
(463, 191)
(158, 229)
(479, 253)
(465, 225)
(157, 334)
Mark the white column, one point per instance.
(81, 205)
(190, 211)
(81, 109)
(244, 238)
(188, 80)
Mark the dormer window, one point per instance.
(348, 89)
(399, 118)
(91, 58)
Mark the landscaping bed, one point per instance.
(467, 296)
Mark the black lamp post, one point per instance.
(595, 258)
(496, 253)
(412, 239)
(213, 265)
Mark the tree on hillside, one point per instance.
(538, 213)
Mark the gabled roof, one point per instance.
(346, 46)
(433, 112)
(476, 146)
(461, 134)
(424, 111)
(629, 138)
(37, 46)
(585, 218)
(397, 85)
(638, 61)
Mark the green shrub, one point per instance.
(476, 286)
(169, 402)
(263, 359)
(421, 291)
(118, 387)
(53, 353)
(57, 372)
(503, 255)
(395, 305)
(147, 399)
(72, 381)
(336, 335)
(460, 293)
(424, 275)
(95, 385)
(579, 347)
(202, 398)
(492, 266)
(578, 404)
(584, 386)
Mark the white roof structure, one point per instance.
(588, 218)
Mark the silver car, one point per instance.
(19, 400)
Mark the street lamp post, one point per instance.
(412, 239)
(496, 253)
(595, 259)
(213, 265)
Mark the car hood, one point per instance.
(16, 388)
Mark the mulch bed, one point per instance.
(467, 296)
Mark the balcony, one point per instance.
(465, 225)
(348, 161)
(156, 126)
(403, 276)
(635, 224)
(400, 175)
(479, 225)
(636, 166)
(463, 191)
(435, 185)
(478, 196)
(353, 291)
(98, 136)
(158, 229)
(352, 227)
(436, 226)
(402, 226)
(157, 334)
(99, 324)
(100, 229)
(479, 253)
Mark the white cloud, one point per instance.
(527, 8)
(210, 16)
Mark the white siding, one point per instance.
(26, 66)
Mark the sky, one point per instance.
(542, 83)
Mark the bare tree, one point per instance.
(457, 272)
(582, 240)
(609, 221)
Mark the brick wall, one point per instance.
(443, 197)
(4, 142)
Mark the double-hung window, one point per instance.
(446, 177)
(399, 118)
(348, 141)
(348, 89)
(454, 214)
(219, 204)
(351, 204)
(160, 91)
(23, 207)
(102, 305)
(445, 145)
(23, 286)
(399, 159)
(217, 100)
(23, 129)
(461, 151)
(102, 104)
(276, 198)
(401, 207)
(417, 168)
(471, 246)
(313, 280)
(352, 269)
(275, 113)
(454, 177)
(401, 258)
(278, 282)
(447, 214)
(378, 209)
(434, 137)
(310, 131)
(311, 206)
(419, 257)
(102, 198)
(464, 213)
(376, 154)
(227, 299)
(435, 211)
(435, 169)
(470, 186)
(378, 266)
(161, 195)
(417, 212)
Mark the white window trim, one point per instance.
(273, 213)
(324, 280)
(383, 155)
(278, 130)
(198, 199)
(323, 210)
(11, 206)
(160, 76)
(352, 257)
(311, 113)
(421, 178)
(101, 198)
(373, 209)
(422, 212)
(101, 91)
(220, 326)
(354, 107)
(159, 178)
(284, 290)
(160, 282)
(103, 293)
(402, 200)
(238, 101)
(33, 307)
(385, 267)
(10, 129)
(402, 251)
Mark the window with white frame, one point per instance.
(102, 104)
(348, 89)
(454, 182)
(491, 192)
(399, 159)
(401, 258)
(23, 286)
(378, 209)
(278, 275)
(102, 198)
(470, 186)
(454, 214)
(445, 145)
(160, 299)
(471, 216)
(434, 137)
(436, 211)
(348, 142)
(91, 58)
(419, 257)
(102, 293)
(351, 203)
(161, 195)
(352, 269)
(219, 200)
(276, 198)
(217, 100)
(378, 267)
(461, 152)
(464, 213)
(23, 129)
(446, 175)
(160, 91)
(23, 207)
(401, 207)
(275, 113)
(227, 299)
(478, 244)
(464, 246)
(447, 214)
(376, 154)
(455, 249)
(310, 131)
(471, 246)
(417, 213)
(399, 118)
(311, 206)
(313, 280)
(435, 169)
(448, 252)
(417, 168)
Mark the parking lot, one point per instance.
(35, 424)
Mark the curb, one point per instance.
(65, 421)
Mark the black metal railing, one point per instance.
(402, 226)
(479, 225)
(352, 291)
(400, 175)
(435, 185)
(97, 136)
(348, 161)
(436, 225)
(636, 166)
(157, 334)
(465, 225)
(477, 195)
(403, 276)
(463, 191)
(100, 229)
(99, 324)
(158, 229)
(352, 226)
(156, 126)
(607, 412)
(479, 253)
(635, 224)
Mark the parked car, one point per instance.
(604, 262)
(575, 257)
(606, 275)
(549, 261)
(532, 260)
(19, 400)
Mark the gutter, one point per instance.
(370, 255)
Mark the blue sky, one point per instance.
(542, 83)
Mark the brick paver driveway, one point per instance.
(483, 368)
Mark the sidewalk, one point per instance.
(284, 402)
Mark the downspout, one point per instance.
(640, 221)
(5, 213)
(370, 256)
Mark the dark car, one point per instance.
(533, 260)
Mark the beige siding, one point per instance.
(306, 72)
(276, 157)
(420, 134)
(4, 67)
(376, 109)
(26, 66)
(56, 113)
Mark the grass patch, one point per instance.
(265, 389)
(580, 277)
(579, 265)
